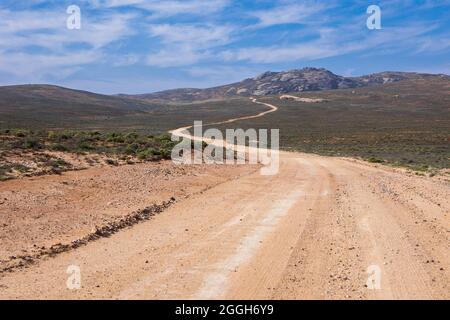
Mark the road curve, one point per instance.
(319, 229)
(181, 132)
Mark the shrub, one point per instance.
(31, 144)
(112, 162)
(115, 137)
(58, 147)
(375, 160)
(57, 163)
(52, 136)
(131, 137)
(21, 133)
(84, 145)
(146, 154)
(132, 148)
(21, 168)
(166, 154)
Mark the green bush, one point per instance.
(144, 147)
(131, 137)
(52, 136)
(57, 163)
(21, 168)
(31, 144)
(58, 147)
(132, 148)
(21, 133)
(375, 160)
(146, 154)
(85, 146)
(115, 137)
(166, 154)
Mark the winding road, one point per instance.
(322, 228)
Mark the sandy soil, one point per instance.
(43, 211)
(310, 232)
(38, 163)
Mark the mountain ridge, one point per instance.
(270, 83)
(56, 98)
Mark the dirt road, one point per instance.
(314, 230)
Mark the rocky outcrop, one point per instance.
(273, 83)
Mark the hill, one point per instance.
(272, 83)
(25, 105)
(39, 107)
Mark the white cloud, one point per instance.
(334, 42)
(222, 74)
(176, 56)
(199, 36)
(126, 60)
(431, 44)
(274, 54)
(38, 66)
(17, 21)
(295, 12)
(48, 29)
(186, 44)
(168, 8)
(60, 51)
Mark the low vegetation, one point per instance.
(43, 150)
(405, 124)
(117, 143)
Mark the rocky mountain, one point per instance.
(270, 83)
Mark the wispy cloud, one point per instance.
(168, 7)
(290, 12)
(212, 39)
(336, 42)
(198, 36)
(39, 66)
(187, 44)
(223, 74)
(38, 42)
(126, 60)
(176, 56)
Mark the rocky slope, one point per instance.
(270, 83)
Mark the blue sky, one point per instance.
(139, 46)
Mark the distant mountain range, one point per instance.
(40, 105)
(48, 99)
(271, 83)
